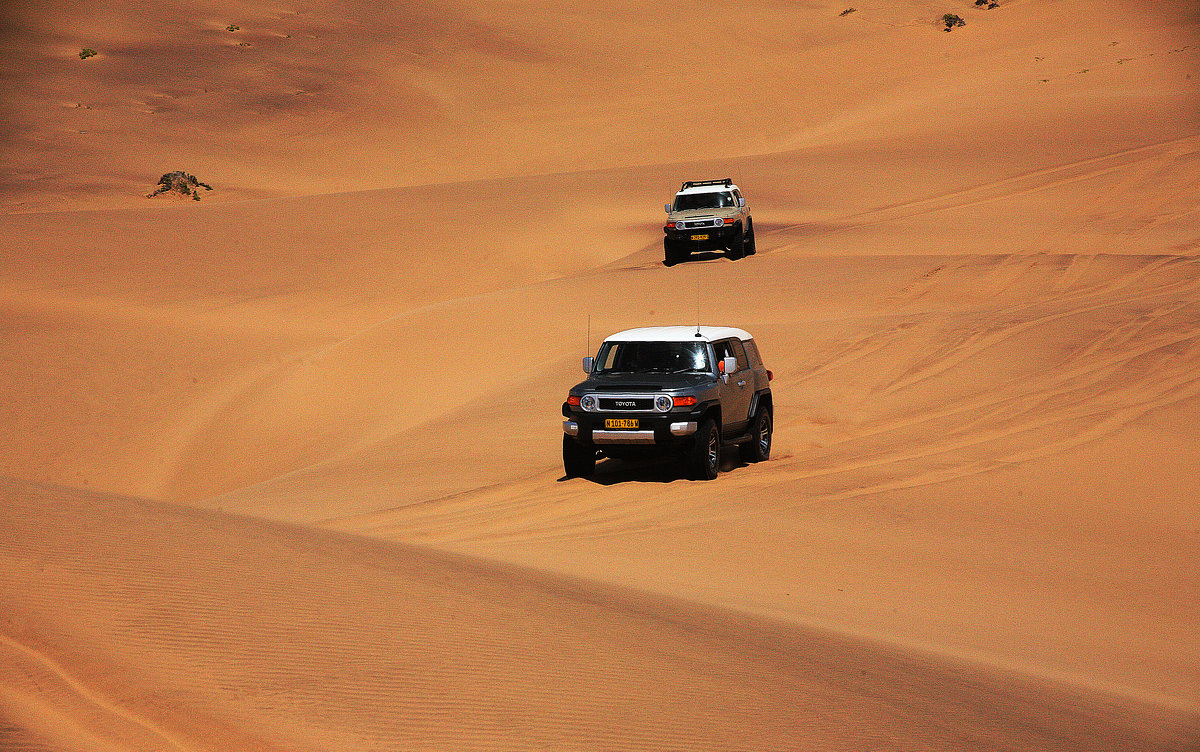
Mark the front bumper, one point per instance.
(655, 429)
(678, 429)
(717, 236)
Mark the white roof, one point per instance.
(678, 334)
(718, 188)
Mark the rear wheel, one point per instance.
(578, 460)
(758, 448)
(704, 460)
(750, 249)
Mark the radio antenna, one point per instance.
(697, 300)
(588, 346)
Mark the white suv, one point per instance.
(707, 215)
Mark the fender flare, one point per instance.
(763, 397)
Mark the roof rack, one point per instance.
(727, 182)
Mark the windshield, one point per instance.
(657, 357)
(711, 200)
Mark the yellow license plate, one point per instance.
(621, 423)
(700, 237)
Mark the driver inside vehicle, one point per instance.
(723, 351)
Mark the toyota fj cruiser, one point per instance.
(707, 215)
(670, 390)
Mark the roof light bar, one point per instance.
(727, 182)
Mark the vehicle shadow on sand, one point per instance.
(651, 257)
(700, 256)
(612, 472)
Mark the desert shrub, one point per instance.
(952, 21)
(87, 52)
(232, 27)
(989, 4)
(846, 12)
(182, 183)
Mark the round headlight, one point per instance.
(722, 222)
(587, 402)
(663, 403)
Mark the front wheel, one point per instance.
(758, 448)
(750, 248)
(672, 252)
(578, 460)
(704, 460)
(737, 246)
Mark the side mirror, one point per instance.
(588, 363)
(742, 202)
(667, 208)
(728, 365)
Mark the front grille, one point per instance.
(695, 224)
(626, 403)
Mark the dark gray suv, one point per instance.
(678, 390)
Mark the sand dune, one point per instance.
(350, 94)
(344, 643)
(281, 465)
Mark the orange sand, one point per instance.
(281, 470)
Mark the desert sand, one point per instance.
(280, 469)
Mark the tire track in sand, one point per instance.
(1141, 354)
(1017, 185)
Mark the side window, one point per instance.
(752, 354)
(737, 198)
(739, 352)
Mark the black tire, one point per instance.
(737, 246)
(578, 460)
(673, 253)
(704, 459)
(750, 248)
(758, 448)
